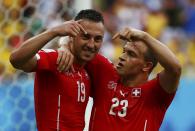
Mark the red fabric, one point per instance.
(120, 108)
(50, 85)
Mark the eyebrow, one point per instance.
(88, 34)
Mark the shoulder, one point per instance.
(153, 88)
(100, 60)
(45, 53)
(46, 60)
(153, 82)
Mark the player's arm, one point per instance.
(169, 77)
(24, 57)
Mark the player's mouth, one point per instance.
(90, 50)
(119, 65)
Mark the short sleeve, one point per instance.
(46, 60)
(158, 94)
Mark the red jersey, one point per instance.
(60, 98)
(120, 108)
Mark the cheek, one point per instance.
(97, 46)
(78, 44)
(134, 65)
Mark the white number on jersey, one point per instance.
(116, 103)
(81, 91)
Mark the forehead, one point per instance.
(138, 47)
(93, 28)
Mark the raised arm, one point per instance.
(169, 77)
(24, 57)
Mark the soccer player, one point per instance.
(124, 97)
(61, 97)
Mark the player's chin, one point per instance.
(120, 71)
(88, 57)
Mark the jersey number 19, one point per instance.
(81, 91)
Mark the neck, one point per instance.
(133, 81)
(79, 62)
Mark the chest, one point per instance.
(74, 86)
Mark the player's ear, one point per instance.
(147, 66)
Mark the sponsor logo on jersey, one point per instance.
(112, 85)
(136, 92)
(124, 94)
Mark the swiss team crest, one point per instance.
(112, 85)
(136, 92)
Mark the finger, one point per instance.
(124, 38)
(59, 57)
(76, 25)
(76, 29)
(73, 33)
(61, 69)
(116, 36)
(72, 68)
(82, 29)
(70, 62)
(61, 64)
(66, 63)
(124, 33)
(129, 36)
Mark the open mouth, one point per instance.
(90, 50)
(119, 65)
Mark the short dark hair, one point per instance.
(91, 15)
(149, 56)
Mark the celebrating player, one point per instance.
(61, 97)
(124, 97)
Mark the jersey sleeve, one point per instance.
(158, 94)
(46, 60)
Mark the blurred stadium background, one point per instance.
(171, 21)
